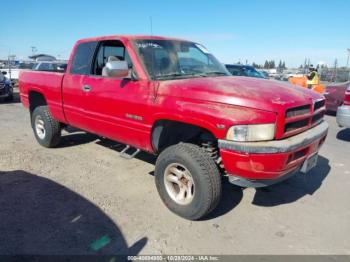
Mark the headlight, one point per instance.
(251, 132)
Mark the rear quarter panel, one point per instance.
(46, 83)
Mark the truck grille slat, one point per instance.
(302, 117)
(319, 104)
(297, 111)
(317, 117)
(295, 125)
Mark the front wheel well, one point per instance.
(166, 133)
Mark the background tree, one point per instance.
(255, 65)
(280, 64)
(266, 65)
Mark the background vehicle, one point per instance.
(50, 66)
(26, 65)
(335, 95)
(173, 98)
(343, 112)
(291, 73)
(6, 88)
(244, 70)
(264, 73)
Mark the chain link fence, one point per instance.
(334, 75)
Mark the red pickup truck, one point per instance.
(173, 98)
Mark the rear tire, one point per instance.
(47, 130)
(188, 168)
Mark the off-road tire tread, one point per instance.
(208, 169)
(54, 125)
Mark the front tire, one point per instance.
(47, 130)
(188, 181)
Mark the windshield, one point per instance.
(173, 59)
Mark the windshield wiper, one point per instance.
(175, 75)
(216, 73)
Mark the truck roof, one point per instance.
(129, 37)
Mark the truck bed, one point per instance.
(47, 83)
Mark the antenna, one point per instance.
(151, 23)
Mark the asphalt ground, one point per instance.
(82, 198)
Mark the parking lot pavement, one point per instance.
(83, 198)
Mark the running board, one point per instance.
(125, 155)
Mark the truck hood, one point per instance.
(268, 95)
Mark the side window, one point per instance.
(109, 50)
(82, 59)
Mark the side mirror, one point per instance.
(4, 72)
(117, 69)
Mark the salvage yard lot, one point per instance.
(82, 198)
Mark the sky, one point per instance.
(253, 30)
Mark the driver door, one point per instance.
(116, 107)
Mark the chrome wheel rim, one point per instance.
(39, 127)
(179, 184)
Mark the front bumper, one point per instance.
(272, 161)
(343, 116)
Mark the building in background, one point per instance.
(43, 57)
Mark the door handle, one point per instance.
(86, 88)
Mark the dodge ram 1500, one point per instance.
(174, 99)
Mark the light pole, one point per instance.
(11, 58)
(33, 50)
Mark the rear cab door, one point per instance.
(72, 87)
